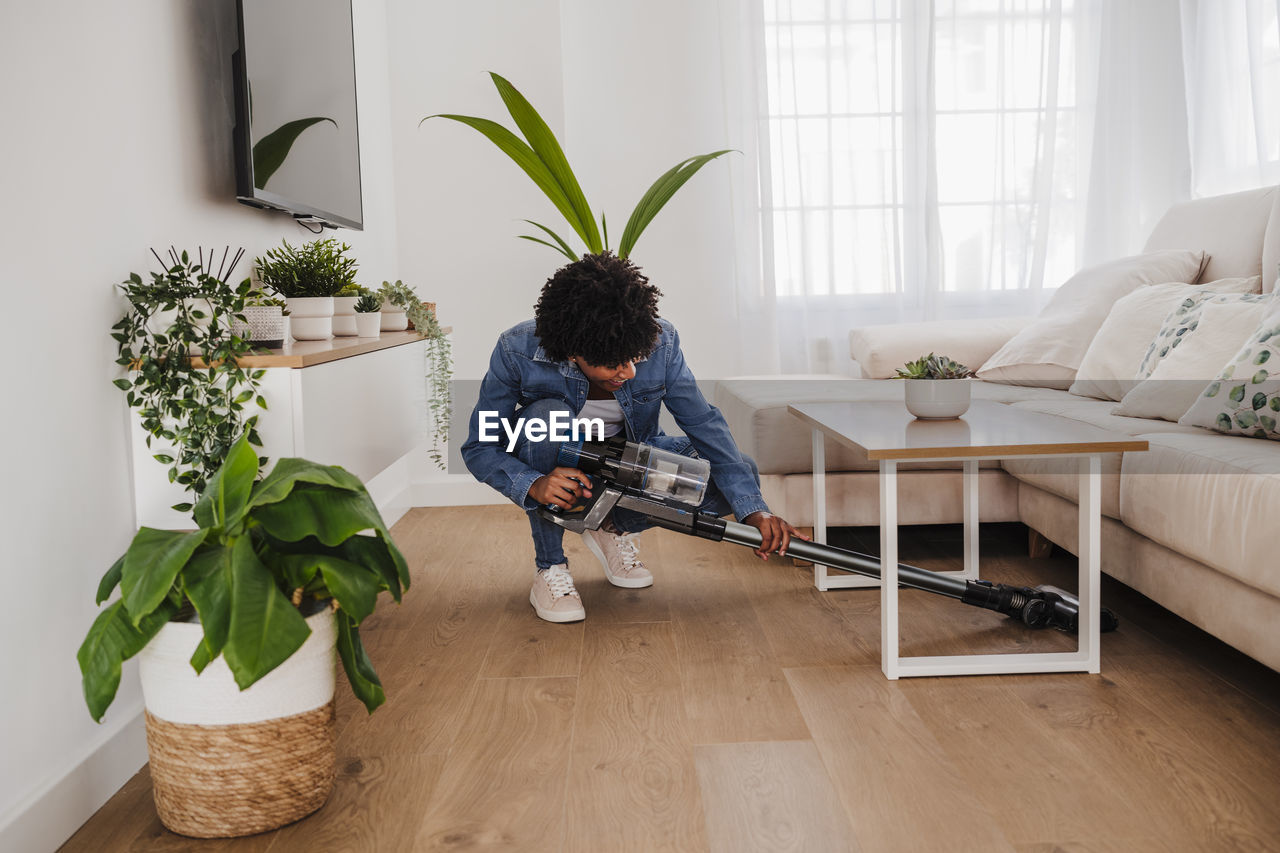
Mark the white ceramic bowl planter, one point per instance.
(394, 320)
(937, 399)
(344, 316)
(368, 325)
(227, 762)
(311, 317)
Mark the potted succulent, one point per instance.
(308, 277)
(368, 315)
(236, 624)
(540, 156)
(439, 357)
(183, 379)
(936, 390)
(263, 320)
(344, 310)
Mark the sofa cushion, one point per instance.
(1244, 397)
(1211, 497)
(881, 350)
(1235, 230)
(756, 411)
(1188, 369)
(1110, 366)
(1048, 352)
(1060, 476)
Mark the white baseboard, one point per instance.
(454, 490)
(53, 813)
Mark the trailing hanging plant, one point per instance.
(261, 550)
(540, 156)
(183, 378)
(439, 360)
(318, 268)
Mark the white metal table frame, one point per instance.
(1086, 658)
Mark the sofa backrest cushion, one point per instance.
(1240, 232)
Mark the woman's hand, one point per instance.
(563, 487)
(775, 534)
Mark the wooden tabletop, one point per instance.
(886, 430)
(307, 353)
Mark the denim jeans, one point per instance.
(541, 456)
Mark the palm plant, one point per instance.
(540, 156)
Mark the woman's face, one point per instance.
(609, 379)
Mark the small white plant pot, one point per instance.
(394, 320)
(369, 325)
(311, 317)
(344, 315)
(264, 325)
(937, 399)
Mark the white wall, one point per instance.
(117, 137)
(624, 89)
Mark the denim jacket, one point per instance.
(520, 373)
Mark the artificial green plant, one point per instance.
(303, 532)
(318, 268)
(540, 156)
(933, 367)
(439, 359)
(183, 377)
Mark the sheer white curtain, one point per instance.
(1232, 64)
(931, 159)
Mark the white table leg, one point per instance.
(889, 568)
(1090, 581)
(970, 520)
(819, 503)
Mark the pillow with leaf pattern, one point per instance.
(1245, 397)
(1183, 321)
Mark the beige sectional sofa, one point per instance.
(1192, 523)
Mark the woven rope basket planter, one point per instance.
(226, 762)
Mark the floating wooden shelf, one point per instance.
(308, 353)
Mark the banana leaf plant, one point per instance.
(305, 531)
(540, 156)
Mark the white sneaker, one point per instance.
(554, 597)
(619, 555)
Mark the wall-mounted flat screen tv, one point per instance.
(296, 139)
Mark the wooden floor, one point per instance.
(732, 707)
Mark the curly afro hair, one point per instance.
(600, 308)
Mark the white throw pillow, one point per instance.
(1201, 354)
(1049, 351)
(1245, 397)
(1110, 366)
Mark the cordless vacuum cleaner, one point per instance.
(667, 487)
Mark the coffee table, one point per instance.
(888, 434)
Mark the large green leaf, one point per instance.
(290, 471)
(110, 581)
(331, 515)
(271, 150)
(111, 640)
(561, 246)
(360, 674)
(527, 159)
(265, 628)
(547, 147)
(150, 566)
(355, 587)
(207, 582)
(226, 495)
(658, 194)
